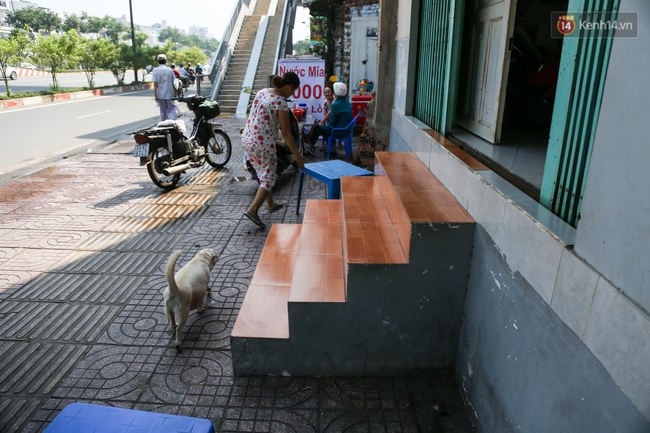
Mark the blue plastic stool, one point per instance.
(82, 417)
(329, 172)
(347, 140)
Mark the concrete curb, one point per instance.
(8, 104)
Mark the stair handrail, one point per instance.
(227, 45)
(287, 15)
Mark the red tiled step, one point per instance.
(318, 273)
(370, 231)
(424, 197)
(264, 312)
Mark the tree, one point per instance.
(302, 47)
(172, 34)
(11, 49)
(37, 19)
(193, 55)
(180, 40)
(110, 26)
(88, 24)
(122, 63)
(56, 51)
(95, 54)
(80, 23)
(141, 56)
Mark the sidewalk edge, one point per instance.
(8, 104)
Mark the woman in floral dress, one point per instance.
(269, 114)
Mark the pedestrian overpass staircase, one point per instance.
(371, 284)
(253, 48)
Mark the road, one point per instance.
(66, 81)
(35, 135)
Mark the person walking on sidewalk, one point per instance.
(163, 89)
(269, 112)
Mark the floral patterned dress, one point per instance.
(260, 135)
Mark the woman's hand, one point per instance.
(288, 138)
(300, 161)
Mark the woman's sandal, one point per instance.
(276, 208)
(256, 219)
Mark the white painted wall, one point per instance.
(614, 229)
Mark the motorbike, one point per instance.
(168, 152)
(180, 86)
(284, 156)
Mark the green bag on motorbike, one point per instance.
(209, 109)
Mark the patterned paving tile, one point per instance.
(111, 262)
(93, 288)
(134, 242)
(62, 240)
(54, 321)
(11, 281)
(111, 373)
(151, 225)
(16, 411)
(35, 369)
(201, 378)
(35, 259)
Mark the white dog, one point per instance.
(186, 291)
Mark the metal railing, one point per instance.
(287, 14)
(225, 49)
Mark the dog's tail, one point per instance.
(169, 271)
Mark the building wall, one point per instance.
(522, 368)
(565, 319)
(343, 36)
(614, 229)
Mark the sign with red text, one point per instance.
(312, 82)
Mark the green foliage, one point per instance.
(108, 27)
(111, 28)
(55, 52)
(139, 57)
(302, 47)
(181, 41)
(37, 19)
(11, 51)
(95, 55)
(193, 55)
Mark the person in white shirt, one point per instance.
(185, 77)
(163, 88)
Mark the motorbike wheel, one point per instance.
(218, 149)
(160, 159)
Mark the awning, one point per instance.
(322, 7)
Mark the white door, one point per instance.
(363, 55)
(487, 59)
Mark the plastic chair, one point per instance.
(347, 140)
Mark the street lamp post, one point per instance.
(135, 71)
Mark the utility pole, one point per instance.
(135, 71)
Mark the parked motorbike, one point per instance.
(285, 157)
(168, 152)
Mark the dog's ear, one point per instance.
(213, 259)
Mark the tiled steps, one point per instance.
(299, 263)
(376, 286)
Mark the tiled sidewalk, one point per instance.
(83, 245)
